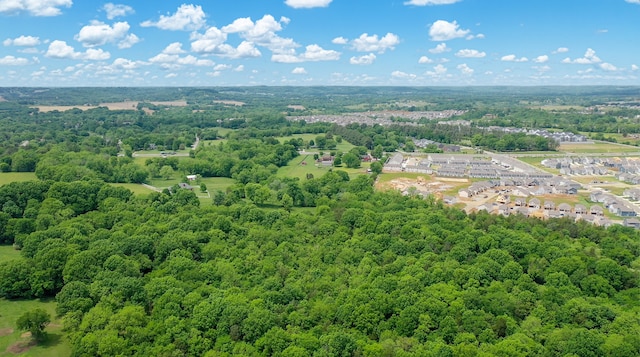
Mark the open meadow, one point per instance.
(8, 177)
(305, 164)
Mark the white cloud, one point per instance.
(262, 33)
(589, 58)
(244, 50)
(35, 7)
(467, 53)
(313, 53)
(95, 55)
(513, 58)
(542, 69)
(363, 60)
(25, 41)
(174, 61)
(125, 64)
(222, 67)
(240, 68)
(430, 2)
(466, 70)
(340, 41)
(633, 1)
(99, 33)
(561, 50)
(366, 43)
(438, 70)
(403, 75)
(299, 70)
(541, 59)
(209, 41)
(442, 30)
(608, 67)
(440, 48)
(174, 48)
(118, 10)
(13, 61)
(186, 18)
(424, 59)
(307, 4)
(60, 49)
(633, 66)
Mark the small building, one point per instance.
(192, 177)
(631, 222)
(596, 210)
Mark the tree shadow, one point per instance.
(51, 339)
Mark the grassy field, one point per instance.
(8, 177)
(596, 148)
(344, 146)
(11, 339)
(296, 168)
(136, 188)
(216, 183)
(7, 252)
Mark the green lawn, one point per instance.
(215, 183)
(295, 168)
(595, 148)
(8, 177)
(7, 252)
(344, 146)
(136, 188)
(56, 344)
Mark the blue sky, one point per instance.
(319, 42)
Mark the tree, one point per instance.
(166, 172)
(376, 167)
(34, 321)
(351, 160)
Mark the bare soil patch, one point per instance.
(62, 108)
(128, 105)
(6, 331)
(26, 334)
(2, 99)
(174, 103)
(296, 107)
(20, 347)
(230, 102)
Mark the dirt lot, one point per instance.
(230, 102)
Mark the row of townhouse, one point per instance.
(614, 204)
(628, 178)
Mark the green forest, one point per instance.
(272, 265)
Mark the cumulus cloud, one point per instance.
(430, 2)
(24, 41)
(99, 33)
(340, 41)
(513, 58)
(34, 7)
(363, 60)
(313, 53)
(633, 66)
(424, 59)
(541, 59)
(173, 61)
(208, 42)
(307, 4)
(608, 67)
(125, 64)
(118, 10)
(464, 69)
(13, 61)
(186, 18)
(60, 49)
(440, 48)
(299, 70)
(633, 1)
(403, 75)
(467, 53)
(438, 70)
(442, 30)
(262, 33)
(174, 48)
(561, 50)
(588, 58)
(373, 43)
